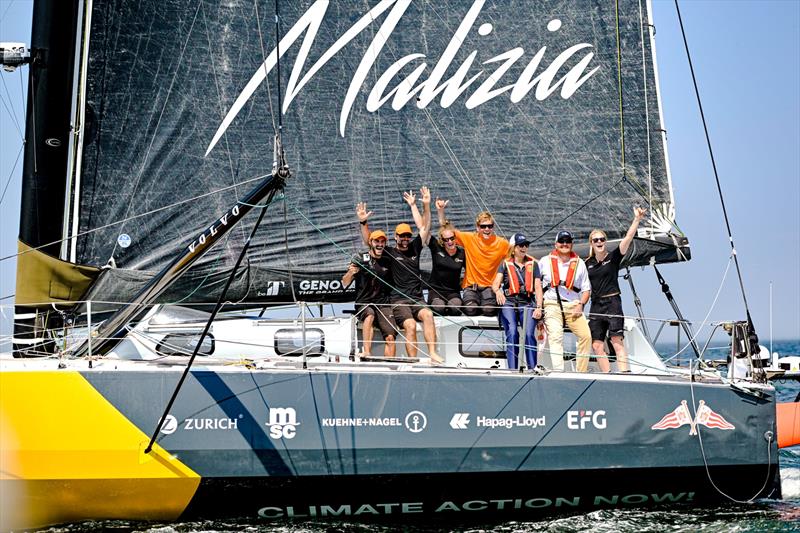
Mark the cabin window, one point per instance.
(477, 341)
(289, 341)
(184, 343)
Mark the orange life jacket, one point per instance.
(554, 272)
(513, 279)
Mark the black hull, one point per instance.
(489, 495)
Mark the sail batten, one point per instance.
(510, 106)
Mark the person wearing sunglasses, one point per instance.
(373, 281)
(484, 252)
(406, 296)
(448, 260)
(567, 290)
(518, 287)
(606, 317)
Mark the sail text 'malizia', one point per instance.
(545, 83)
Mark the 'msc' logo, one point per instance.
(282, 422)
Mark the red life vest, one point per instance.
(513, 279)
(554, 272)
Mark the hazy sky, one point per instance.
(747, 59)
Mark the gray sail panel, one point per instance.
(165, 84)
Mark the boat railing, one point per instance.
(488, 342)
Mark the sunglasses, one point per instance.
(448, 239)
(486, 226)
(564, 241)
(523, 245)
(405, 235)
(599, 239)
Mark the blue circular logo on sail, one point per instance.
(124, 240)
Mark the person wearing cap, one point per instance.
(406, 296)
(567, 289)
(373, 281)
(518, 288)
(485, 251)
(448, 260)
(606, 316)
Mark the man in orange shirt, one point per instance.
(485, 252)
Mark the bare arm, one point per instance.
(638, 214)
(440, 205)
(363, 216)
(537, 290)
(425, 230)
(347, 279)
(411, 200)
(498, 280)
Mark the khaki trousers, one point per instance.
(555, 335)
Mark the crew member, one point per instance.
(568, 289)
(449, 259)
(406, 296)
(606, 317)
(518, 288)
(485, 251)
(373, 281)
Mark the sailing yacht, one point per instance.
(191, 171)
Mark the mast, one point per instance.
(44, 188)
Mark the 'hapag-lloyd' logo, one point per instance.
(408, 88)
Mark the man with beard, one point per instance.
(373, 281)
(406, 296)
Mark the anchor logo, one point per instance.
(416, 421)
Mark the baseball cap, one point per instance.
(403, 228)
(564, 236)
(377, 234)
(518, 239)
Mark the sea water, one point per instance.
(761, 515)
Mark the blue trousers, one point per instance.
(511, 318)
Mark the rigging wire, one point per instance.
(10, 110)
(10, 106)
(210, 321)
(646, 108)
(598, 195)
(3, 16)
(11, 174)
(146, 213)
(619, 91)
(264, 64)
(146, 157)
(751, 328)
(221, 111)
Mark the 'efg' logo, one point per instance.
(580, 419)
(282, 422)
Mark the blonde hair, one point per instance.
(591, 248)
(484, 215)
(510, 254)
(446, 227)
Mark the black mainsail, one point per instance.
(545, 113)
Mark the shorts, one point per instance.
(384, 321)
(403, 310)
(606, 317)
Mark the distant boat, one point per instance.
(154, 127)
